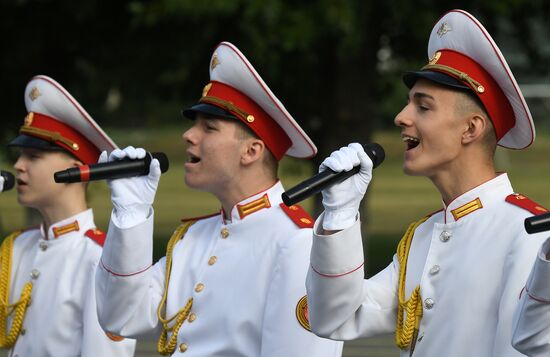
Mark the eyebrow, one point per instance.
(420, 95)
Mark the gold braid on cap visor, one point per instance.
(228, 106)
(464, 77)
(52, 136)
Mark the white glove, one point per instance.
(1, 183)
(342, 200)
(132, 197)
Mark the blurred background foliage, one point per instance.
(336, 64)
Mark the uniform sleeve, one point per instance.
(128, 288)
(95, 341)
(282, 333)
(342, 304)
(522, 254)
(531, 331)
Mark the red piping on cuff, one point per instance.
(535, 298)
(337, 275)
(123, 275)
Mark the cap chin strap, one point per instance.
(228, 106)
(461, 76)
(52, 136)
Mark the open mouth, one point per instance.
(192, 158)
(21, 182)
(410, 141)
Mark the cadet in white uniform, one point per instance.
(47, 272)
(233, 283)
(453, 285)
(531, 333)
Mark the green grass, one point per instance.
(394, 199)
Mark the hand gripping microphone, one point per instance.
(328, 177)
(112, 169)
(538, 223)
(9, 180)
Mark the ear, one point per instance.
(77, 163)
(253, 150)
(476, 124)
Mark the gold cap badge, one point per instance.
(28, 119)
(435, 58)
(35, 93)
(206, 89)
(215, 61)
(443, 29)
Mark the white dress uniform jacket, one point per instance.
(246, 277)
(531, 333)
(62, 318)
(471, 270)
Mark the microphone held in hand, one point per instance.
(328, 177)
(112, 170)
(538, 223)
(9, 180)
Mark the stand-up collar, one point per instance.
(483, 196)
(257, 203)
(79, 224)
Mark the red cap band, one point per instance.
(250, 113)
(61, 134)
(468, 71)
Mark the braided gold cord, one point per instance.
(7, 339)
(407, 326)
(475, 85)
(53, 136)
(230, 107)
(163, 347)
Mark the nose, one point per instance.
(188, 136)
(18, 166)
(402, 118)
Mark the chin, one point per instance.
(410, 171)
(193, 183)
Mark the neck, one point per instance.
(462, 177)
(241, 190)
(61, 210)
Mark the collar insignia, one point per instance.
(71, 227)
(254, 206)
(466, 209)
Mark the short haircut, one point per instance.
(272, 165)
(466, 103)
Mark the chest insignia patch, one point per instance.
(114, 337)
(302, 314)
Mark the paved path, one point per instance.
(373, 347)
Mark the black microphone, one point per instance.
(538, 223)
(112, 170)
(328, 177)
(9, 180)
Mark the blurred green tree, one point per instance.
(335, 64)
